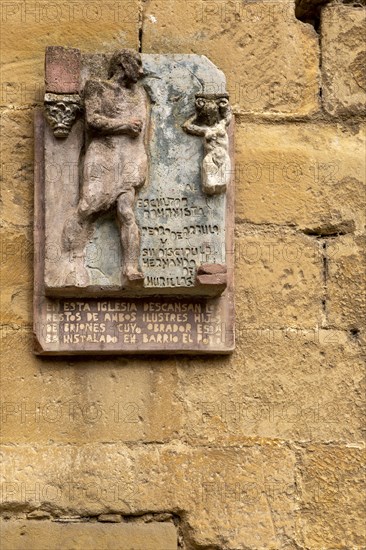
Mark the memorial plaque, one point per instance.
(134, 194)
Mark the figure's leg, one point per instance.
(213, 173)
(209, 174)
(75, 235)
(130, 235)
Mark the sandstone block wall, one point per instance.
(259, 450)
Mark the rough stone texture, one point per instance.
(314, 393)
(332, 479)
(307, 175)
(61, 112)
(270, 59)
(276, 427)
(211, 269)
(346, 283)
(230, 498)
(174, 96)
(16, 167)
(16, 277)
(38, 514)
(279, 282)
(52, 536)
(201, 400)
(29, 27)
(110, 518)
(172, 189)
(84, 401)
(218, 280)
(343, 59)
(62, 70)
(107, 180)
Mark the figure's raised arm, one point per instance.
(194, 129)
(97, 120)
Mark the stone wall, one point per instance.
(258, 450)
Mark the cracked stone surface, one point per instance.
(343, 59)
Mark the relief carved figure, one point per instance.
(212, 117)
(115, 163)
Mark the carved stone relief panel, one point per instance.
(134, 205)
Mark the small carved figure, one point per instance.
(61, 111)
(115, 163)
(213, 115)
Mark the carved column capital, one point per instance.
(61, 111)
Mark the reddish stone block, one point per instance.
(211, 269)
(218, 279)
(62, 68)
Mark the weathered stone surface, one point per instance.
(128, 326)
(232, 498)
(290, 384)
(70, 536)
(211, 120)
(217, 279)
(212, 274)
(270, 58)
(211, 269)
(279, 281)
(346, 283)
(23, 81)
(29, 27)
(16, 277)
(110, 518)
(84, 400)
(343, 59)
(224, 401)
(244, 474)
(39, 514)
(62, 70)
(16, 167)
(332, 480)
(306, 175)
